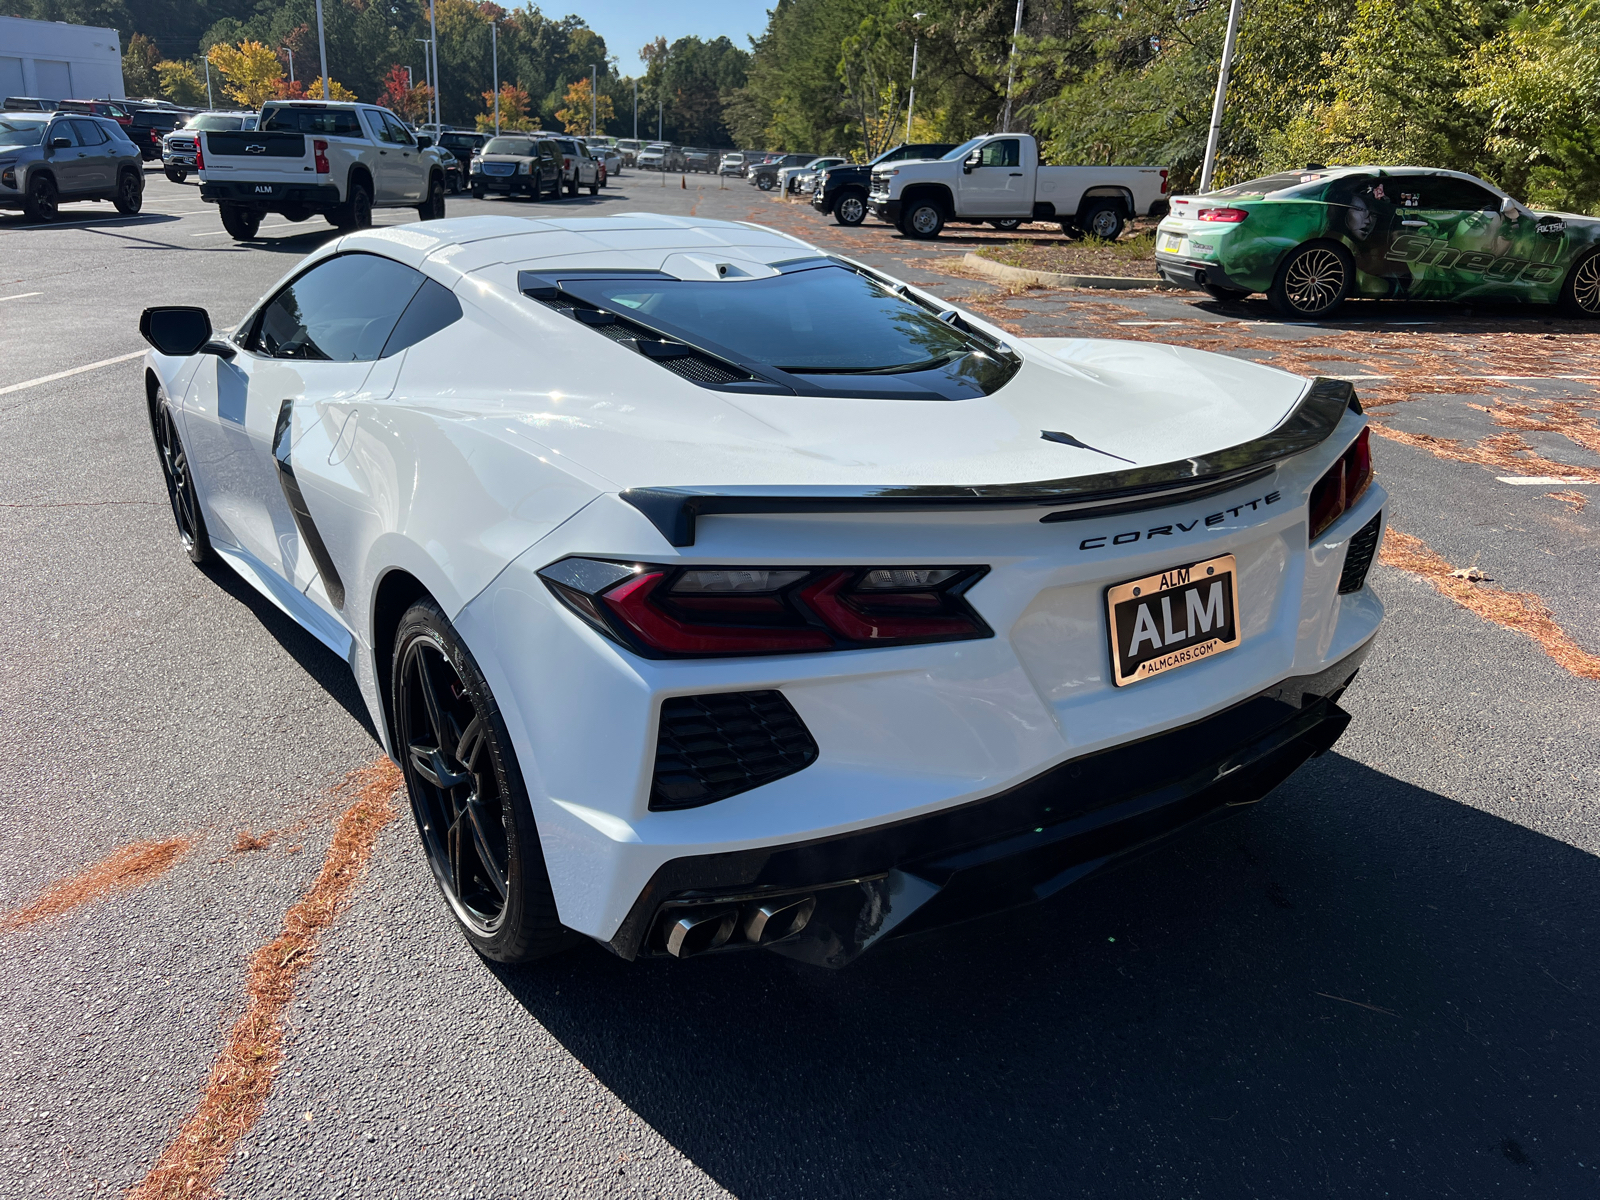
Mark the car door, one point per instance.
(98, 159)
(1474, 250)
(388, 177)
(413, 167)
(316, 339)
(67, 163)
(993, 187)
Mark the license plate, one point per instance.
(1173, 618)
(1172, 243)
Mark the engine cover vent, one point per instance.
(715, 746)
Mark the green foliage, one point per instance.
(693, 80)
(139, 62)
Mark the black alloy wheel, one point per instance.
(850, 209)
(354, 213)
(242, 223)
(1580, 291)
(41, 203)
(180, 483)
(765, 182)
(129, 197)
(1313, 280)
(466, 792)
(594, 188)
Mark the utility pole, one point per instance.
(636, 108)
(658, 122)
(494, 41)
(594, 101)
(427, 72)
(1215, 135)
(1011, 74)
(912, 102)
(290, 53)
(210, 103)
(322, 51)
(433, 37)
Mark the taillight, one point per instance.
(1163, 183)
(319, 149)
(694, 612)
(1229, 216)
(1343, 484)
(199, 154)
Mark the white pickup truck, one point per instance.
(311, 156)
(997, 179)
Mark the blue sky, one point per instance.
(627, 25)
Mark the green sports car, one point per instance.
(1310, 238)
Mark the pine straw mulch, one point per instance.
(126, 867)
(1130, 257)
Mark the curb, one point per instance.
(1121, 283)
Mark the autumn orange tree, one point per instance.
(514, 105)
(577, 114)
(399, 96)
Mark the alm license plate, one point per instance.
(1173, 243)
(1172, 619)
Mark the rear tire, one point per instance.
(923, 220)
(467, 794)
(432, 209)
(594, 188)
(180, 483)
(42, 202)
(1103, 220)
(572, 186)
(241, 223)
(129, 197)
(1313, 280)
(354, 213)
(850, 209)
(1580, 290)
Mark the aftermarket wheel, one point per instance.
(241, 223)
(467, 794)
(923, 220)
(1580, 291)
(1313, 280)
(180, 484)
(129, 196)
(850, 209)
(40, 203)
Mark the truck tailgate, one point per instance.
(259, 155)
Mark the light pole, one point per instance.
(636, 108)
(210, 103)
(322, 51)
(594, 101)
(433, 37)
(1011, 73)
(659, 135)
(494, 41)
(1222, 93)
(290, 53)
(427, 72)
(911, 103)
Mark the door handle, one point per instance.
(1414, 224)
(1016, 174)
(383, 152)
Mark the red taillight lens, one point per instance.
(319, 148)
(705, 611)
(1163, 183)
(199, 154)
(1228, 216)
(1343, 484)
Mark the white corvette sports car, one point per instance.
(714, 592)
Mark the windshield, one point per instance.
(508, 145)
(963, 150)
(826, 320)
(213, 123)
(20, 133)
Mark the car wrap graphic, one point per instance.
(1430, 235)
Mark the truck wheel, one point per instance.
(850, 208)
(594, 188)
(923, 220)
(354, 213)
(432, 208)
(477, 193)
(1580, 290)
(572, 185)
(129, 196)
(1313, 280)
(176, 175)
(1103, 220)
(40, 203)
(1007, 224)
(765, 182)
(241, 223)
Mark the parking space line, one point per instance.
(21, 296)
(94, 366)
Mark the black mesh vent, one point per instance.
(713, 747)
(696, 369)
(1358, 557)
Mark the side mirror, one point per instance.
(972, 160)
(423, 141)
(180, 330)
(60, 143)
(1508, 208)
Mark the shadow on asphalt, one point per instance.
(330, 671)
(1190, 1025)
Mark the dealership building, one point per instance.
(56, 61)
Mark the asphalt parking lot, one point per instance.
(1382, 980)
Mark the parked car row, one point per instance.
(48, 157)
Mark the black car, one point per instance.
(463, 146)
(700, 160)
(842, 191)
(765, 176)
(517, 164)
(455, 174)
(149, 126)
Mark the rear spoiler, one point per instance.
(674, 510)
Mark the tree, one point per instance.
(181, 83)
(400, 96)
(514, 104)
(694, 81)
(251, 72)
(336, 90)
(575, 117)
(140, 61)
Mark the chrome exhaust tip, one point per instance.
(778, 919)
(700, 930)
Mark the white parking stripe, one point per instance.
(21, 296)
(94, 366)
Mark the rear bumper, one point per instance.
(249, 194)
(1194, 274)
(1010, 849)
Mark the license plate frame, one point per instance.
(1172, 243)
(1125, 628)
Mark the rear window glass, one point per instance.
(214, 123)
(507, 145)
(827, 320)
(337, 121)
(20, 133)
(1299, 185)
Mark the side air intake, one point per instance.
(1358, 556)
(715, 746)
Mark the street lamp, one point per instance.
(1215, 135)
(322, 51)
(911, 103)
(594, 101)
(494, 42)
(1011, 74)
(290, 53)
(433, 36)
(636, 108)
(427, 73)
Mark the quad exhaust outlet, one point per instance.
(702, 928)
